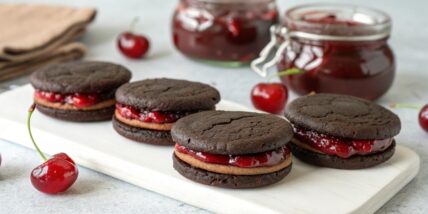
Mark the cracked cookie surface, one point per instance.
(168, 95)
(231, 132)
(343, 116)
(80, 76)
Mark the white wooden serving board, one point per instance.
(306, 189)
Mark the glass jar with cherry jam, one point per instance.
(223, 32)
(340, 49)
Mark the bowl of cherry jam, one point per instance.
(339, 48)
(223, 32)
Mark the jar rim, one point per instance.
(368, 21)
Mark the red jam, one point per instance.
(362, 68)
(223, 31)
(76, 99)
(343, 148)
(160, 117)
(269, 158)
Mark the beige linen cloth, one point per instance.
(32, 36)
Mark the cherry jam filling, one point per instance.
(76, 99)
(343, 148)
(130, 112)
(269, 158)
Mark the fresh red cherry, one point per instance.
(423, 117)
(133, 45)
(272, 97)
(56, 174)
(269, 97)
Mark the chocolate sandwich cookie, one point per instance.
(232, 149)
(147, 109)
(340, 131)
(78, 91)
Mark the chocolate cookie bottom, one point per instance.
(225, 180)
(332, 161)
(142, 135)
(78, 115)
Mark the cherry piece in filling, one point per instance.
(77, 99)
(130, 112)
(84, 100)
(343, 148)
(269, 158)
(56, 174)
(50, 96)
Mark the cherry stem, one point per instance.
(30, 113)
(403, 105)
(133, 24)
(287, 72)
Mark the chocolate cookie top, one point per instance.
(343, 116)
(80, 76)
(231, 132)
(168, 95)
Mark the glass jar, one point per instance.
(225, 32)
(340, 49)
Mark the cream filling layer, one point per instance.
(144, 125)
(232, 170)
(66, 106)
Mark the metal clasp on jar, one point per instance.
(271, 54)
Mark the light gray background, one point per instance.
(97, 193)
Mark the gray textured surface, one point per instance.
(97, 193)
